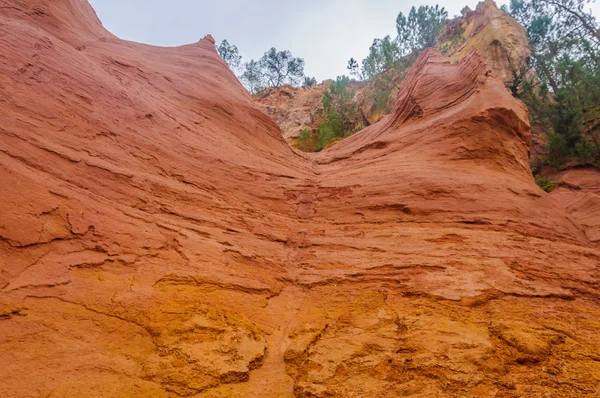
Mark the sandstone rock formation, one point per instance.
(579, 192)
(293, 108)
(501, 40)
(159, 238)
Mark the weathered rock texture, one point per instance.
(293, 108)
(159, 238)
(500, 39)
(497, 37)
(578, 191)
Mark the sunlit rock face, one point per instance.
(159, 238)
(500, 39)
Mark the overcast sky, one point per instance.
(326, 33)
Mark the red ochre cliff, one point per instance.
(159, 238)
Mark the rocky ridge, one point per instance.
(499, 39)
(160, 238)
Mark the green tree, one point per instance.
(274, 69)
(383, 55)
(230, 55)
(565, 101)
(354, 68)
(307, 141)
(420, 29)
(339, 115)
(415, 33)
(253, 77)
(309, 82)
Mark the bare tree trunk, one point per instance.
(548, 75)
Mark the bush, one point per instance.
(545, 183)
(339, 117)
(309, 82)
(558, 151)
(307, 141)
(326, 132)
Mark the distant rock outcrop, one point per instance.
(498, 38)
(159, 238)
(294, 109)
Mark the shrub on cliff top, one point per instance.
(339, 117)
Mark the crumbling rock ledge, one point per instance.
(159, 238)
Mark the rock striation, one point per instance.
(500, 39)
(578, 191)
(159, 238)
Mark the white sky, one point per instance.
(326, 33)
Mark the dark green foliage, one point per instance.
(354, 68)
(383, 55)
(545, 183)
(415, 33)
(274, 69)
(565, 102)
(383, 93)
(307, 141)
(253, 78)
(338, 117)
(309, 82)
(339, 98)
(542, 181)
(386, 84)
(420, 29)
(389, 59)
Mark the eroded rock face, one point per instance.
(578, 191)
(500, 39)
(159, 237)
(293, 108)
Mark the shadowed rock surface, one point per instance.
(159, 238)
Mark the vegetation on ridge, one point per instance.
(560, 84)
(384, 68)
(273, 69)
(416, 32)
(230, 54)
(563, 96)
(339, 117)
